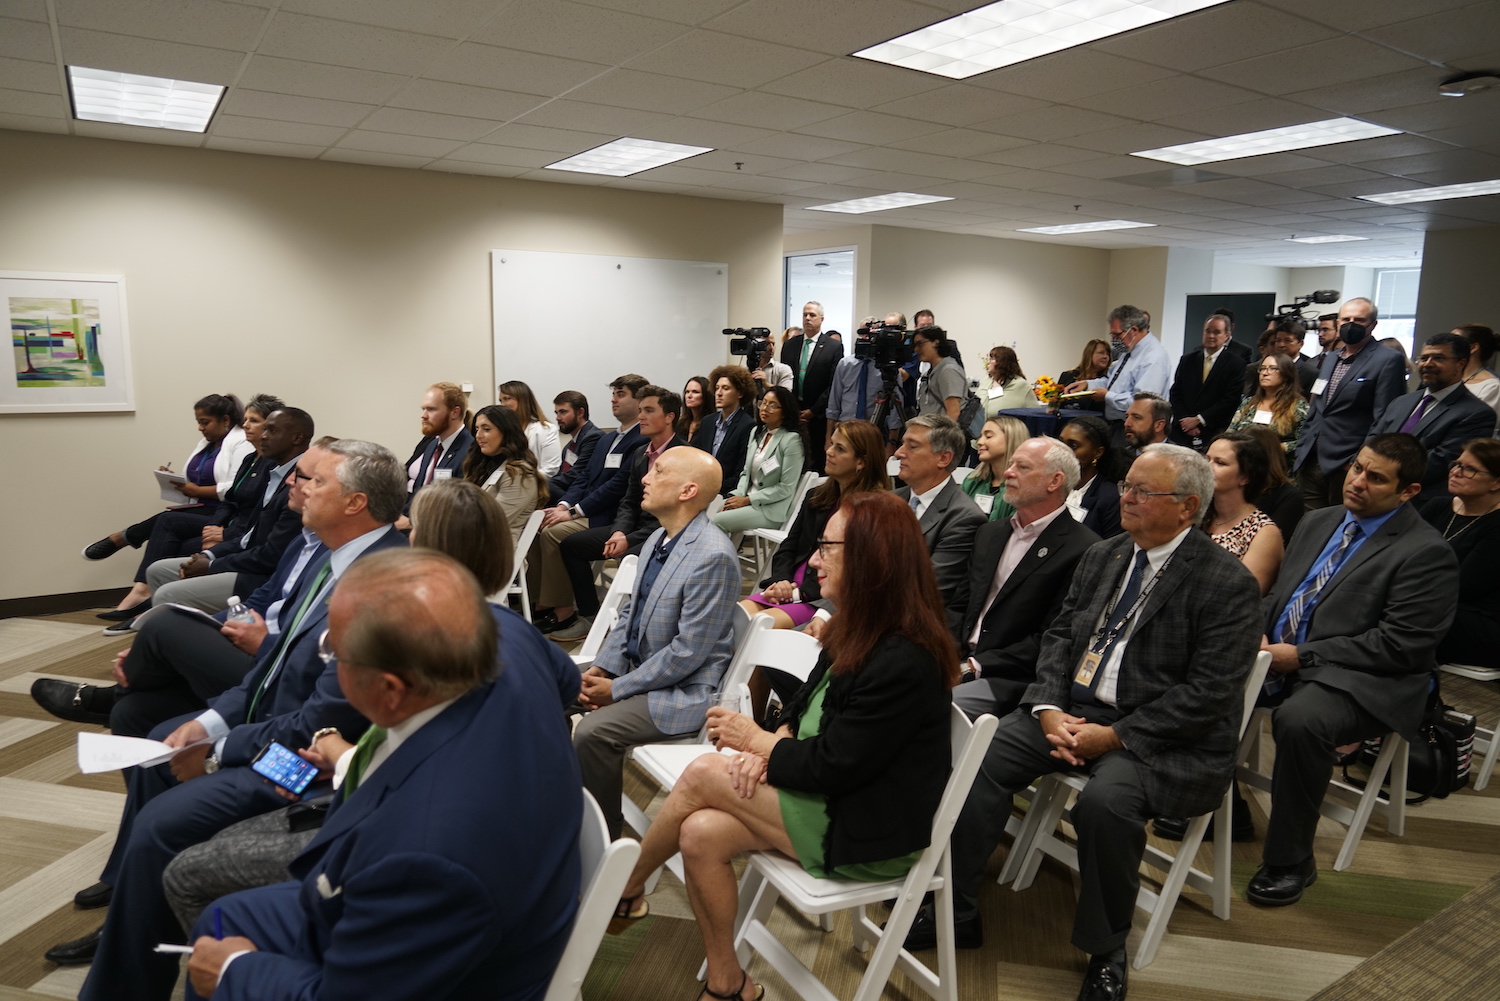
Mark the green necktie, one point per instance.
(807, 346)
(363, 752)
(285, 641)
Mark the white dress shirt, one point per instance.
(924, 500)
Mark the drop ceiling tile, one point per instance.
(1131, 139)
(263, 148)
(1323, 174)
(820, 173)
(680, 11)
(384, 142)
(1475, 136)
(725, 160)
(718, 58)
(1359, 97)
(24, 74)
(1251, 116)
(770, 111)
(854, 83)
(374, 159)
(29, 40)
(561, 141)
(29, 102)
(1336, 60)
(195, 22)
(1455, 161)
(871, 127)
(425, 123)
(1270, 163)
(512, 69)
(592, 118)
(339, 43)
(757, 183)
(460, 99)
(577, 31)
(1460, 173)
(336, 83)
(476, 169)
(1103, 167)
(1445, 36)
(623, 88)
(508, 156)
(1378, 148)
(1165, 98)
(236, 127)
(1069, 75)
(31, 123)
(797, 147)
(1447, 114)
(136, 134)
(826, 27)
(288, 108)
(567, 177)
(1040, 155)
(24, 10)
(1201, 40)
(102, 50)
(959, 104)
(701, 132)
(1053, 122)
(961, 142)
(448, 18)
(1353, 189)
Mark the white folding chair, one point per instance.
(1346, 803)
(766, 540)
(609, 610)
(517, 585)
(714, 507)
(606, 867)
(1470, 671)
(1039, 837)
(962, 473)
(1486, 743)
(770, 876)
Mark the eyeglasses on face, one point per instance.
(1425, 358)
(1134, 491)
(826, 545)
(1465, 470)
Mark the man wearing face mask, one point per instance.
(1354, 385)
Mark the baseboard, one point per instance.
(53, 604)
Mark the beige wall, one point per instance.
(1459, 269)
(345, 289)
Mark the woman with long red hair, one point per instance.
(869, 729)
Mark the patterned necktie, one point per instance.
(285, 642)
(807, 346)
(437, 456)
(1304, 599)
(363, 752)
(1085, 693)
(1410, 425)
(916, 504)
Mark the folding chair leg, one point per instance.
(1488, 765)
(1366, 804)
(1171, 888)
(1049, 810)
(943, 908)
(1021, 837)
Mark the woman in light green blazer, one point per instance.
(772, 467)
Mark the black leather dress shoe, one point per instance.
(94, 896)
(968, 934)
(124, 614)
(101, 550)
(553, 625)
(1105, 980)
(78, 952)
(75, 703)
(1279, 885)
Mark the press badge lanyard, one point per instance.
(1105, 637)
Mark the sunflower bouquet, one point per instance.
(1046, 390)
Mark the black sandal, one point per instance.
(626, 913)
(738, 994)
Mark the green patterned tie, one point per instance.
(363, 752)
(285, 641)
(807, 346)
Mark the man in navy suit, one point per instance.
(356, 493)
(445, 441)
(1354, 386)
(423, 882)
(571, 408)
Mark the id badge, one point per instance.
(996, 392)
(770, 465)
(1087, 668)
(1264, 417)
(612, 460)
(986, 502)
(1319, 386)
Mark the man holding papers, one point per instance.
(356, 493)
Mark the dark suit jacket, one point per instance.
(732, 452)
(883, 740)
(630, 517)
(1337, 427)
(577, 453)
(1377, 623)
(452, 872)
(948, 527)
(1101, 506)
(599, 489)
(267, 594)
(452, 459)
(1456, 418)
(1029, 600)
(304, 695)
(274, 525)
(1307, 374)
(1215, 398)
(813, 394)
(1182, 674)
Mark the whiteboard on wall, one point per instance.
(578, 321)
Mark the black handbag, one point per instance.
(1439, 761)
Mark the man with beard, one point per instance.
(445, 441)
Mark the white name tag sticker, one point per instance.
(612, 460)
(996, 392)
(1264, 417)
(986, 502)
(770, 465)
(1319, 386)
(893, 466)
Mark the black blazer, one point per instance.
(452, 459)
(881, 756)
(1285, 506)
(1475, 635)
(1456, 418)
(630, 518)
(1307, 374)
(274, 525)
(825, 355)
(244, 497)
(584, 441)
(797, 548)
(732, 451)
(1215, 398)
(1101, 502)
(1011, 636)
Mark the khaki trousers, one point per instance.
(546, 577)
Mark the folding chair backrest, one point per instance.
(762, 645)
(609, 609)
(1253, 685)
(528, 536)
(962, 473)
(606, 866)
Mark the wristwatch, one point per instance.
(211, 763)
(320, 734)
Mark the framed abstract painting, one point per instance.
(70, 344)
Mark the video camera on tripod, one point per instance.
(750, 343)
(887, 344)
(1299, 309)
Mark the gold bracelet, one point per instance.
(320, 734)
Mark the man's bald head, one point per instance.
(685, 478)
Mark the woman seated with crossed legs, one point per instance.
(869, 729)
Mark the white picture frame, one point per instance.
(70, 344)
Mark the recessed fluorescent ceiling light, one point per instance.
(1438, 194)
(1327, 133)
(1325, 239)
(153, 102)
(1013, 31)
(627, 156)
(879, 203)
(1087, 227)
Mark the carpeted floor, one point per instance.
(56, 827)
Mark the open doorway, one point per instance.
(826, 277)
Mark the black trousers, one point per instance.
(1110, 818)
(1308, 725)
(1320, 489)
(171, 533)
(176, 664)
(578, 551)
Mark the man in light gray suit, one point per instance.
(1365, 594)
(929, 449)
(660, 666)
(1139, 684)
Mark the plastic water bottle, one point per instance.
(238, 612)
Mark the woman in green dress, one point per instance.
(986, 484)
(870, 728)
